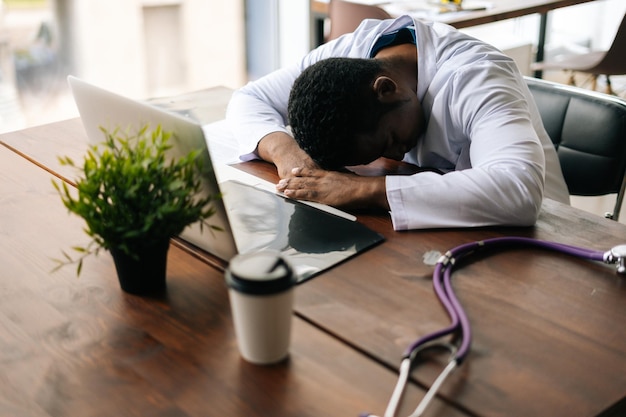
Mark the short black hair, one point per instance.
(330, 103)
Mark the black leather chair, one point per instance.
(588, 130)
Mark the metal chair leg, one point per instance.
(572, 78)
(594, 82)
(609, 87)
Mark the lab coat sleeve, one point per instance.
(504, 185)
(260, 108)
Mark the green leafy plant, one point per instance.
(133, 194)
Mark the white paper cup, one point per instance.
(261, 299)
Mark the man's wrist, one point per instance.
(380, 191)
(373, 193)
(275, 145)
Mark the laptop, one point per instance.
(249, 218)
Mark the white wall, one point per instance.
(109, 44)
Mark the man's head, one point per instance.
(349, 111)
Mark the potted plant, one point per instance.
(134, 197)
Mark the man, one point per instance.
(428, 95)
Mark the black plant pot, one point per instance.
(145, 274)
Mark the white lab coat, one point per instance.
(483, 129)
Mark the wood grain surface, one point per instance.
(81, 347)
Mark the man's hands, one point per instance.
(284, 152)
(336, 189)
(302, 179)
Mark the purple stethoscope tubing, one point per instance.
(442, 283)
(459, 322)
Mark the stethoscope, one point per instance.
(459, 323)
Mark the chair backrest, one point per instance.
(346, 16)
(588, 130)
(614, 61)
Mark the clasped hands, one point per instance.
(303, 179)
(337, 189)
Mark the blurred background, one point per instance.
(151, 48)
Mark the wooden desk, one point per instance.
(81, 347)
(500, 10)
(549, 334)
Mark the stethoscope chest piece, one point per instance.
(618, 254)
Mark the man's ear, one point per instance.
(385, 89)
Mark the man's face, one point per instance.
(396, 134)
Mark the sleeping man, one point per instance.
(403, 89)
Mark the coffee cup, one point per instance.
(260, 288)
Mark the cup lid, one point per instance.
(263, 272)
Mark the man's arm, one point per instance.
(499, 176)
(282, 150)
(259, 110)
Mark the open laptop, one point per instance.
(250, 218)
